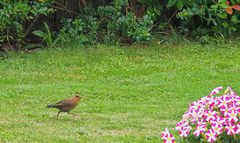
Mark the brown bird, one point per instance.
(66, 105)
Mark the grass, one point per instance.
(130, 94)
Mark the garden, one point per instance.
(146, 71)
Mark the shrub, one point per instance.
(14, 15)
(108, 25)
(79, 30)
(210, 119)
(47, 36)
(136, 29)
(209, 17)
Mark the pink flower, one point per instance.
(165, 132)
(195, 114)
(237, 101)
(220, 121)
(199, 129)
(201, 123)
(210, 115)
(231, 129)
(210, 101)
(184, 132)
(186, 116)
(235, 108)
(196, 105)
(232, 116)
(167, 137)
(183, 128)
(223, 102)
(218, 129)
(181, 124)
(238, 128)
(224, 111)
(211, 135)
(216, 90)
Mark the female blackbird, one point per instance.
(67, 104)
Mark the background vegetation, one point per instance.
(120, 21)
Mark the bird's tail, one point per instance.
(51, 106)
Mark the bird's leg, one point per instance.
(58, 113)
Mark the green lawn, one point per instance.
(130, 94)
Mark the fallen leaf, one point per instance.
(236, 7)
(229, 10)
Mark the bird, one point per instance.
(66, 105)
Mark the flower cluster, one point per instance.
(211, 118)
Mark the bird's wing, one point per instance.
(63, 103)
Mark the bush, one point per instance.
(125, 21)
(14, 15)
(136, 29)
(210, 119)
(79, 30)
(108, 25)
(209, 17)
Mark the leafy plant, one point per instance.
(14, 15)
(136, 29)
(47, 36)
(81, 30)
(108, 25)
(210, 17)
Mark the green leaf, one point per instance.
(39, 33)
(234, 19)
(171, 3)
(222, 15)
(47, 27)
(225, 24)
(214, 6)
(180, 4)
